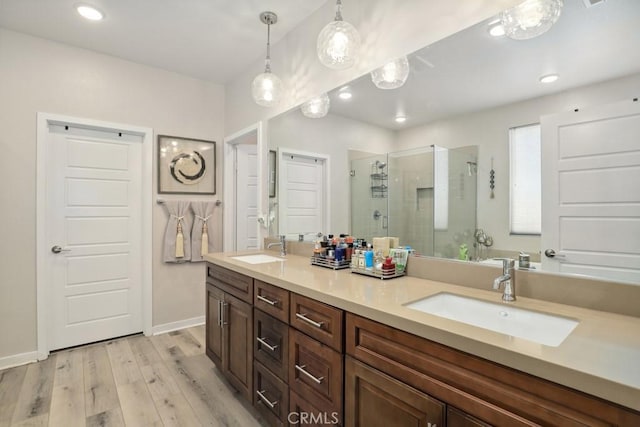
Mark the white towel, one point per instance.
(201, 241)
(177, 240)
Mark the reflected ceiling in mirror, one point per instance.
(473, 70)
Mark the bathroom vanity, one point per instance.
(296, 340)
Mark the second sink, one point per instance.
(542, 328)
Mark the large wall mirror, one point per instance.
(441, 179)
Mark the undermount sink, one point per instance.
(257, 259)
(541, 328)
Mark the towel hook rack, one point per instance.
(162, 201)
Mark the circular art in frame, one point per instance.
(188, 168)
(186, 165)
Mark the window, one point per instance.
(525, 206)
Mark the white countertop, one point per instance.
(600, 357)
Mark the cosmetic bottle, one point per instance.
(368, 258)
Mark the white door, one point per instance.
(591, 192)
(247, 197)
(302, 195)
(94, 229)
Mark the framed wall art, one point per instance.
(186, 165)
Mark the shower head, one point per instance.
(381, 165)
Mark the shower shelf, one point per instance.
(379, 185)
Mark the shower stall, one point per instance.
(426, 197)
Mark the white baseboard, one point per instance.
(180, 324)
(18, 359)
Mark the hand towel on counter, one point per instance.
(201, 238)
(177, 236)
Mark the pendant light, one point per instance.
(267, 87)
(338, 43)
(316, 108)
(531, 18)
(392, 75)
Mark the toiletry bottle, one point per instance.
(361, 259)
(368, 258)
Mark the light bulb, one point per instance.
(531, 18)
(89, 12)
(392, 75)
(338, 45)
(317, 107)
(266, 89)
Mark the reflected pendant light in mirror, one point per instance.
(392, 75)
(531, 18)
(267, 87)
(338, 43)
(316, 108)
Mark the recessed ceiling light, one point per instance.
(400, 119)
(89, 12)
(345, 93)
(496, 29)
(549, 78)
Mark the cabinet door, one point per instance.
(376, 399)
(303, 413)
(237, 319)
(458, 418)
(215, 298)
(271, 344)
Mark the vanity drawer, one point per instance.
(271, 343)
(318, 320)
(303, 413)
(272, 300)
(236, 284)
(271, 396)
(315, 372)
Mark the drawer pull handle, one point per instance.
(266, 344)
(267, 300)
(306, 319)
(312, 377)
(265, 400)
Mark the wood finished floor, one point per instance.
(163, 380)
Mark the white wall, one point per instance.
(389, 28)
(489, 130)
(39, 75)
(334, 136)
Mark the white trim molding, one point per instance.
(18, 359)
(229, 173)
(180, 324)
(43, 121)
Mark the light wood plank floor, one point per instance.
(164, 380)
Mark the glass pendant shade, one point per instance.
(266, 89)
(392, 75)
(338, 43)
(531, 18)
(316, 108)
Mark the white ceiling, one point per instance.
(213, 40)
(472, 70)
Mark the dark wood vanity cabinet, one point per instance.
(229, 326)
(476, 392)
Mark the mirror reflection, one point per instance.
(482, 99)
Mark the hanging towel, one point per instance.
(201, 240)
(177, 239)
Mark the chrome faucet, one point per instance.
(508, 278)
(282, 243)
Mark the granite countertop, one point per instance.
(600, 357)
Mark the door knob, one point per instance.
(57, 249)
(550, 253)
